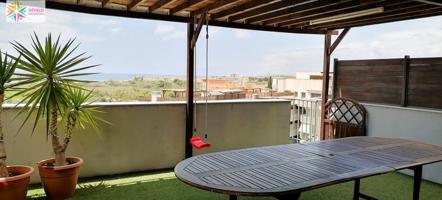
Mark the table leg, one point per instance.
(293, 196)
(417, 181)
(356, 189)
(357, 192)
(233, 197)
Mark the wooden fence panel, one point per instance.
(425, 83)
(376, 81)
(405, 81)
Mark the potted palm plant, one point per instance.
(14, 180)
(53, 93)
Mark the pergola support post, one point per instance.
(325, 80)
(190, 89)
(200, 23)
(338, 40)
(328, 50)
(192, 37)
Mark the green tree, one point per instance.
(270, 83)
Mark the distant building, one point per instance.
(303, 85)
(231, 83)
(217, 84)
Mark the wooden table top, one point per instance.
(281, 169)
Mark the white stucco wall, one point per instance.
(298, 85)
(145, 136)
(423, 125)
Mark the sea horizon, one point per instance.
(123, 76)
(130, 76)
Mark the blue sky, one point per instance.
(157, 47)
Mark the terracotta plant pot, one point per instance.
(59, 182)
(15, 187)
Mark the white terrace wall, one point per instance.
(151, 136)
(409, 123)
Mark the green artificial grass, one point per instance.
(165, 186)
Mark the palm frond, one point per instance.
(8, 65)
(80, 109)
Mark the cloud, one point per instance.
(68, 24)
(21, 31)
(416, 42)
(169, 32)
(291, 60)
(213, 30)
(116, 29)
(98, 21)
(241, 34)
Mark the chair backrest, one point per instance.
(343, 117)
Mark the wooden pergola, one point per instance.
(288, 16)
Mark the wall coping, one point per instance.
(404, 108)
(114, 104)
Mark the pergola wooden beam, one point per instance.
(303, 7)
(333, 7)
(184, 5)
(265, 9)
(304, 18)
(214, 5)
(134, 3)
(199, 26)
(420, 14)
(266, 28)
(240, 8)
(330, 10)
(405, 11)
(338, 40)
(159, 4)
(433, 2)
(389, 11)
(288, 16)
(105, 2)
(171, 18)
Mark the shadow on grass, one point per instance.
(391, 186)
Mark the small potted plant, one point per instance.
(53, 93)
(14, 180)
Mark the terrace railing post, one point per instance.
(190, 89)
(325, 79)
(335, 78)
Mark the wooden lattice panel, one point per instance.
(344, 117)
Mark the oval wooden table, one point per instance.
(284, 171)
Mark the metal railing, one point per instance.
(305, 121)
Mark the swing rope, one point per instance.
(207, 78)
(195, 78)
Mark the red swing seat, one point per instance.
(198, 143)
